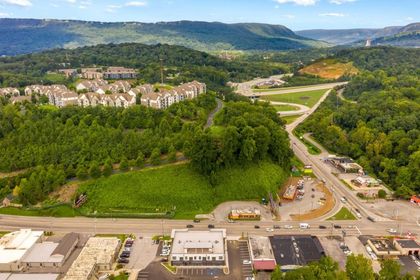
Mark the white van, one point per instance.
(304, 226)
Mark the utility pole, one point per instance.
(161, 71)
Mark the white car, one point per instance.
(246, 262)
(288, 227)
(269, 230)
(392, 230)
(304, 226)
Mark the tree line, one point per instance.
(357, 268)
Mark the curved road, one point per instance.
(302, 109)
(210, 118)
(149, 227)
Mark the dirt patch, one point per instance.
(330, 69)
(65, 193)
(327, 205)
(12, 174)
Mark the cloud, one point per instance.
(4, 15)
(298, 2)
(135, 4)
(20, 3)
(339, 2)
(71, 1)
(332, 15)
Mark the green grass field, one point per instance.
(285, 107)
(308, 98)
(279, 88)
(290, 119)
(179, 188)
(61, 211)
(343, 214)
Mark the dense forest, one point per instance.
(249, 132)
(180, 64)
(381, 128)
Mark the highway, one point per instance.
(150, 227)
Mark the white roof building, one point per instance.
(27, 276)
(15, 246)
(203, 248)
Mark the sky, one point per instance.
(295, 14)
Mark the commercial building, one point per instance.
(294, 251)
(28, 276)
(383, 247)
(198, 248)
(262, 255)
(15, 246)
(51, 254)
(245, 214)
(345, 164)
(98, 254)
(407, 246)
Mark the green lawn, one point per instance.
(290, 119)
(179, 188)
(61, 211)
(312, 149)
(308, 98)
(343, 214)
(279, 88)
(285, 107)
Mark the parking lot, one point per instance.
(238, 252)
(332, 248)
(142, 253)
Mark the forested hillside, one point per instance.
(20, 36)
(181, 65)
(382, 129)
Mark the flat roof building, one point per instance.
(383, 247)
(294, 251)
(407, 246)
(198, 248)
(262, 255)
(28, 276)
(15, 246)
(98, 254)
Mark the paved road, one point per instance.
(302, 109)
(210, 118)
(148, 227)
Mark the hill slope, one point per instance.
(20, 36)
(350, 36)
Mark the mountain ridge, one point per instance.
(22, 36)
(356, 35)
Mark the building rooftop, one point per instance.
(382, 244)
(296, 250)
(211, 241)
(97, 251)
(14, 245)
(32, 276)
(261, 247)
(42, 253)
(407, 243)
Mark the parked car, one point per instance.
(256, 226)
(128, 244)
(246, 262)
(123, 261)
(125, 255)
(322, 227)
(127, 249)
(211, 226)
(190, 226)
